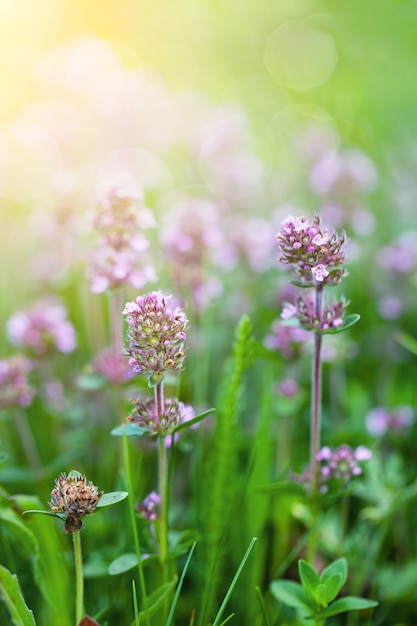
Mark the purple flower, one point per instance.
(156, 335)
(331, 315)
(286, 339)
(15, 390)
(380, 420)
(42, 329)
(149, 508)
(120, 220)
(112, 366)
(312, 250)
(341, 464)
(174, 414)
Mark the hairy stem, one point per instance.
(162, 483)
(316, 384)
(79, 596)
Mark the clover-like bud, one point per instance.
(74, 497)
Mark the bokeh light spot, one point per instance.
(300, 56)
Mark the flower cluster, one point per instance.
(120, 259)
(174, 414)
(149, 508)
(331, 316)
(286, 339)
(74, 497)
(341, 464)
(316, 253)
(381, 420)
(156, 335)
(112, 366)
(337, 467)
(42, 329)
(15, 390)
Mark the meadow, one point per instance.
(208, 238)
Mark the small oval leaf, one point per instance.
(112, 497)
(123, 563)
(130, 430)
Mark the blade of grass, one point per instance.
(179, 586)
(263, 607)
(233, 583)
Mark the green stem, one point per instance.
(79, 598)
(163, 494)
(134, 525)
(315, 432)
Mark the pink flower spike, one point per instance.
(288, 311)
(319, 272)
(362, 453)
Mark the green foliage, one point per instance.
(11, 595)
(223, 462)
(315, 596)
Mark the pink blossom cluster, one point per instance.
(286, 339)
(156, 335)
(112, 366)
(341, 179)
(174, 413)
(121, 257)
(191, 238)
(42, 329)
(304, 311)
(149, 508)
(317, 255)
(381, 420)
(400, 256)
(341, 464)
(15, 390)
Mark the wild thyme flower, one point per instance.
(15, 390)
(289, 341)
(149, 508)
(121, 258)
(337, 467)
(74, 497)
(341, 464)
(317, 254)
(331, 315)
(156, 335)
(112, 366)
(174, 414)
(381, 420)
(42, 329)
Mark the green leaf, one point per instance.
(320, 595)
(340, 566)
(157, 598)
(12, 597)
(349, 603)
(347, 323)
(291, 594)
(112, 497)
(333, 585)
(309, 578)
(91, 382)
(285, 488)
(198, 418)
(123, 563)
(155, 379)
(232, 585)
(407, 342)
(130, 430)
(302, 285)
(38, 511)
